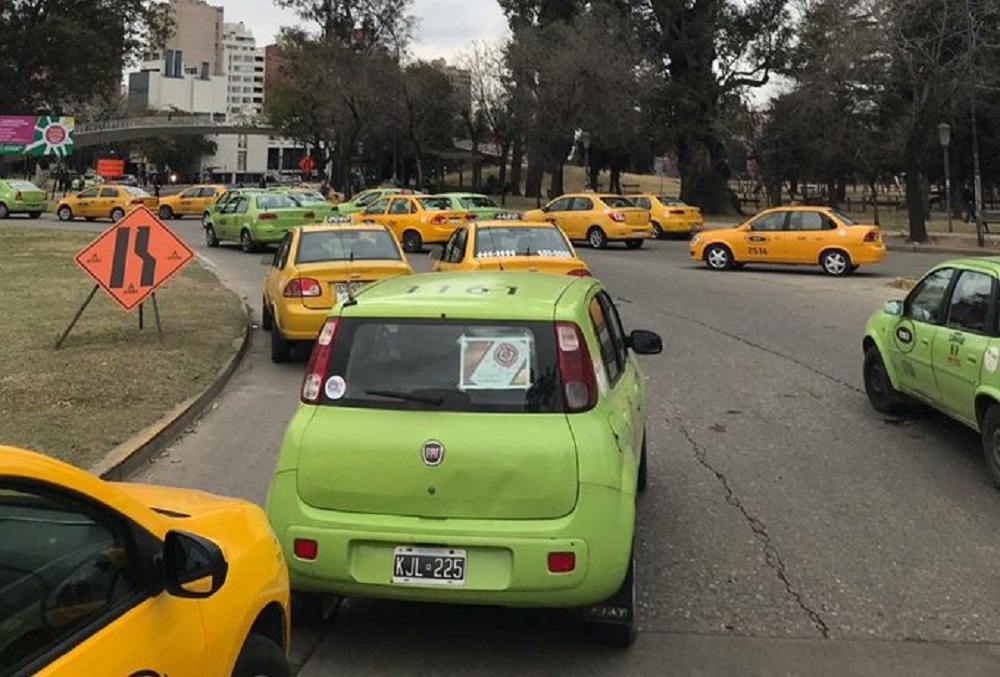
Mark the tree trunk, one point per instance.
(533, 181)
(556, 185)
(502, 173)
(516, 161)
(914, 194)
(615, 181)
(702, 182)
(418, 157)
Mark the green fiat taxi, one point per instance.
(21, 197)
(941, 346)
(474, 439)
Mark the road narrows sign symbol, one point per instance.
(134, 257)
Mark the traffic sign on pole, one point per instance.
(134, 257)
(307, 164)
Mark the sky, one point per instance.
(445, 28)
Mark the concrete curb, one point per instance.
(127, 457)
(935, 249)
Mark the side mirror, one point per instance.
(545, 209)
(435, 255)
(267, 259)
(892, 307)
(193, 567)
(645, 342)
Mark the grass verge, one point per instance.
(110, 380)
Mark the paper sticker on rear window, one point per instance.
(495, 362)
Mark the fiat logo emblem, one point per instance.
(432, 453)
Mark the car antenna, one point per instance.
(351, 301)
(493, 244)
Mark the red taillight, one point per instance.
(306, 548)
(617, 216)
(561, 562)
(438, 220)
(575, 368)
(310, 215)
(470, 217)
(267, 217)
(303, 287)
(18, 196)
(871, 236)
(319, 361)
(580, 272)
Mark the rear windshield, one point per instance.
(22, 186)
(337, 245)
(498, 241)
(618, 202)
(135, 192)
(307, 197)
(434, 204)
(844, 218)
(275, 202)
(444, 365)
(476, 202)
(671, 201)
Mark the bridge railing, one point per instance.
(161, 121)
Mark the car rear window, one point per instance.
(499, 241)
(275, 202)
(434, 204)
(617, 202)
(342, 245)
(135, 192)
(307, 197)
(22, 186)
(444, 365)
(476, 202)
(671, 201)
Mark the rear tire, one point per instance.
(211, 239)
(719, 257)
(4, 211)
(657, 230)
(883, 397)
(621, 633)
(642, 482)
(597, 238)
(64, 213)
(34, 215)
(281, 349)
(266, 321)
(313, 608)
(412, 242)
(835, 262)
(991, 443)
(246, 242)
(166, 213)
(261, 657)
(634, 243)
(117, 214)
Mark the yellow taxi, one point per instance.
(192, 201)
(597, 218)
(509, 243)
(415, 219)
(795, 235)
(669, 216)
(104, 202)
(101, 578)
(317, 267)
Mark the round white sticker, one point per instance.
(992, 359)
(335, 387)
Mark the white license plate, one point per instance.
(454, 221)
(340, 290)
(413, 565)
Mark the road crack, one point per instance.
(771, 555)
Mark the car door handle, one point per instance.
(924, 342)
(971, 359)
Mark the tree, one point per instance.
(182, 154)
(428, 112)
(361, 24)
(57, 54)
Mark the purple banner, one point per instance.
(18, 129)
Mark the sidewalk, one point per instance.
(944, 243)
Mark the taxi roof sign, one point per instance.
(134, 257)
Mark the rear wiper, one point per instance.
(409, 397)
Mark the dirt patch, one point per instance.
(110, 380)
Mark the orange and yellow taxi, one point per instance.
(795, 235)
(597, 219)
(415, 219)
(317, 267)
(191, 201)
(509, 243)
(104, 202)
(102, 578)
(669, 216)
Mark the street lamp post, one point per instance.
(944, 136)
(585, 140)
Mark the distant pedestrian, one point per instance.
(968, 204)
(263, 182)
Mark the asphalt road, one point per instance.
(788, 530)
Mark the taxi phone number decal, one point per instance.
(547, 253)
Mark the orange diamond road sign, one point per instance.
(134, 257)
